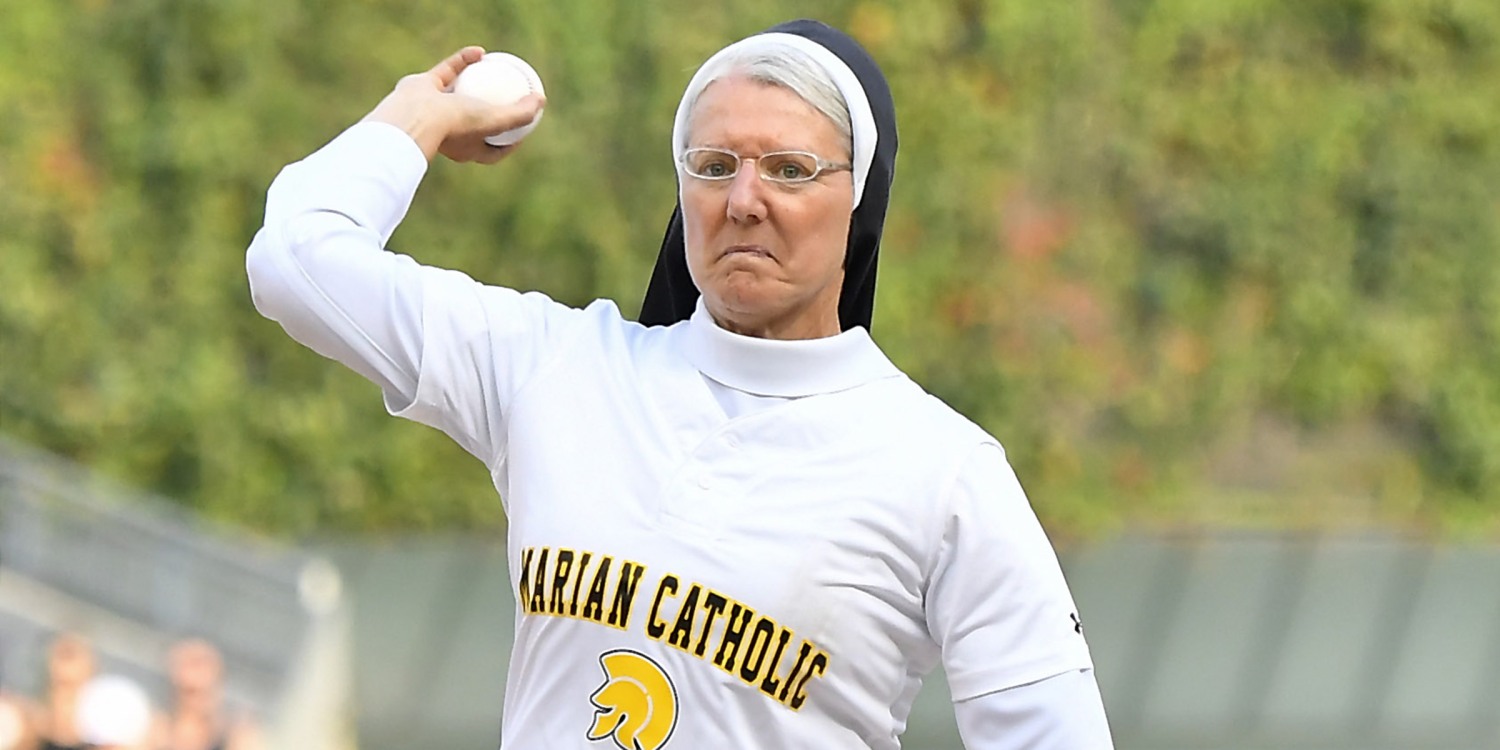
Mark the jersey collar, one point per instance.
(789, 369)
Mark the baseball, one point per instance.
(501, 78)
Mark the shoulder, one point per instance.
(917, 416)
(599, 343)
(599, 320)
(622, 336)
(914, 444)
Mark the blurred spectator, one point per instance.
(70, 665)
(15, 730)
(114, 713)
(197, 719)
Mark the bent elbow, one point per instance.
(269, 288)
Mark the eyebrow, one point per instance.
(777, 149)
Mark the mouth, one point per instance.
(747, 250)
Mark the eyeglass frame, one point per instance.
(824, 166)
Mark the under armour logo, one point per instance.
(1077, 623)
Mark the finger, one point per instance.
(496, 153)
(490, 118)
(446, 72)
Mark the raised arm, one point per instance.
(319, 267)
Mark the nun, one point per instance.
(734, 522)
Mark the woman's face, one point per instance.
(767, 258)
(70, 661)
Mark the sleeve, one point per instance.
(997, 604)
(445, 350)
(1062, 712)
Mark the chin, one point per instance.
(745, 309)
(743, 299)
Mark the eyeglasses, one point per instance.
(781, 167)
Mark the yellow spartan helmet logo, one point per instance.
(637, 705)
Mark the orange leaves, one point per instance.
(1045, 305)
(1030, 228)
(62, 174)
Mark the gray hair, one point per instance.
(790, 68)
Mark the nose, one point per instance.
(747, 202)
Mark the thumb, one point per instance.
(488, 119)
(446, 72)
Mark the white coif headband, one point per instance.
(860, 116)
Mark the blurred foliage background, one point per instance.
(1224, 262)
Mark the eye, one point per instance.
(790, 167)
(711, 164)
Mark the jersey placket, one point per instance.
(710, 485)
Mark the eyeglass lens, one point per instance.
(782, 166)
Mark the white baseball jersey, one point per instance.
(715, 541)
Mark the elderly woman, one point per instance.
(736, 523)
(70, 667)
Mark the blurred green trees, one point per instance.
(1188, 260)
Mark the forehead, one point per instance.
(753, 116)
(195, 655)
(70, 647)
